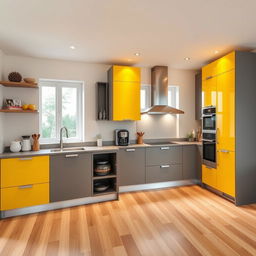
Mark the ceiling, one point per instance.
(111, 31)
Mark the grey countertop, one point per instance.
(91, 149)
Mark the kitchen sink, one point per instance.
(67, 149)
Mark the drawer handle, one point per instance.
(130, 149)
(165, 148)
(25, 158)
(165, 166)
(25, 186)
(72, 155)
(224, 151)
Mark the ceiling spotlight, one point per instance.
(72, 47)
(216, 52)
(137, 54)
(186, 58)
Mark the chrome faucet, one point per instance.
(61, 136)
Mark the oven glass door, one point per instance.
(209, 151)
(209, 122)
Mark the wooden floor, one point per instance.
(178, 221)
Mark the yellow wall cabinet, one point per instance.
(124, 85)
(232, 79)
(24, 182)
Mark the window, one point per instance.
(145, 97)
(61, 104)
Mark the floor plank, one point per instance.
(183, 221)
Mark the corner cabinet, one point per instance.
(124, 93)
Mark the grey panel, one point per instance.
(190, 162)
(70, 176)
(163, 173)
(245, 128)
(163, 155)
(198, 96)
(199, 157)
(131, 166)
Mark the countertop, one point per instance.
(92, 149)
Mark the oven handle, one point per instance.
(205, 140)
(209, 115)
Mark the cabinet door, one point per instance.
(226, 172)
(226, 111)
(209, 91)
(70, 176)
(209, 176)
(132, 166)
(226, 63)
(126, 101)
(126, 74)
(163, 173)
(189, 162)
(198, 96)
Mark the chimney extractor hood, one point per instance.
(159, 93)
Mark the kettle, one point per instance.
(25, 143)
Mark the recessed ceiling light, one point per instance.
(137, 54)
(216, 52)
(72, 47)
(187, 58)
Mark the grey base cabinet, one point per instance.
(163, 173)
(190, 162)
(70, 176)
(131, 166)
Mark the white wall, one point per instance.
(16, 125)
(1, 102)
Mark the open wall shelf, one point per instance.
(18, 111)
(19, 84)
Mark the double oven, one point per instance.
(209, 136)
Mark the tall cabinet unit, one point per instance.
(124, 92)
(229, 84)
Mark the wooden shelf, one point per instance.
(106, 192)
(19, 84)
(18, 111)
(109, 176)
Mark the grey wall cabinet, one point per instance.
(164, 155)
(166, 172)
(132, 166)
(198, 96)
(70, 176)
(190, 162)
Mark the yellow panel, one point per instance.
(18, 197)
(226, 110)
(126, 101)
(126, 74)
(209, 88)
(225, 63)
(25, 170)
(209, 70)
(209, 176)
(226, 172)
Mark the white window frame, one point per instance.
(175, 92)
(59, 84)
(147, 89)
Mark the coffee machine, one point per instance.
(121, 137)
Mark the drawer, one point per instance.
(24, 196)
(163, 155)
(209, 176)
(163, 173)
(26, 170)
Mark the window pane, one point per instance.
(69, 110)
(143, 99)
(48, 112)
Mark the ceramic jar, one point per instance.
(15, 146)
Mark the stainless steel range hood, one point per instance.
(159, 93)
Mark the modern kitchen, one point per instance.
(111, 149)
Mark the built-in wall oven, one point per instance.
(209, 136)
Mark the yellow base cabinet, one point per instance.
(124, 83)
(209, 176)
(24, 196)
(24, 182)
(226, 172)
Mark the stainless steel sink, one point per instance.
(68, 149)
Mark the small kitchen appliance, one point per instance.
(121, 137)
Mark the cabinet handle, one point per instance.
(165, 166)
(130, 150)
(25, 158)
(224, 151)
(70, 156)
(208, 77)
(25, 186)
(165, 148)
